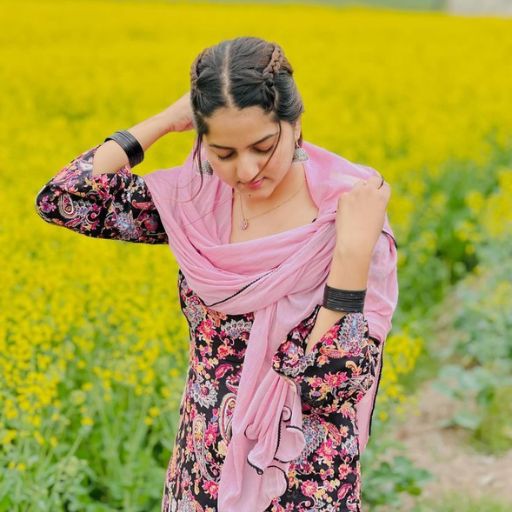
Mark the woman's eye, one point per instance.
(263, 151)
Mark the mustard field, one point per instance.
(93, 345)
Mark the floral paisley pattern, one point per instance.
(332, 377)
(111, 205)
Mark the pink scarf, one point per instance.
(281, 279)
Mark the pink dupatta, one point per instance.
(281, 279)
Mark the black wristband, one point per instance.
(351, 301)
(130, 145)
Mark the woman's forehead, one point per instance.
(240, 128)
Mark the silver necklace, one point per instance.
(245, 221)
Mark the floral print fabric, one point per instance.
(111, 205)
(331, 378)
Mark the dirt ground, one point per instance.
(456, 466)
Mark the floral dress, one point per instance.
(331, 378)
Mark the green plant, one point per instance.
(387, 473)
(477, 364)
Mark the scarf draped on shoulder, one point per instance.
(280, 278)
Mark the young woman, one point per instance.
(287, 279)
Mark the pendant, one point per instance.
(244, 224)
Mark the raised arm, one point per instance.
(97, 194)
(114, 205)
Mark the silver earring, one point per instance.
(300, 154)
(206, 168)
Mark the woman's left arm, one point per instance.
(359, 221)
(346, 273)
(337, 361)
(340, 359)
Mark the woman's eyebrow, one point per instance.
(254, 144)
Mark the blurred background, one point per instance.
(93, 350)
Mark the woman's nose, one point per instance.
(247, 171)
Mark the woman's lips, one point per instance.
(256, 184)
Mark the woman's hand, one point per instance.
(179, 115)
(360, 217)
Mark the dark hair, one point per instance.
(243, 72)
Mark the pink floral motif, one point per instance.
(309, 487)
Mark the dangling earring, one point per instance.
(300, 154)
(206, 168)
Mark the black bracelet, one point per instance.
(130, 145)
(351, 301)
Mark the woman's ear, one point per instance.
(297, 128)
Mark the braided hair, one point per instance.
(270, 72)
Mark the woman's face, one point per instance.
(240, 142)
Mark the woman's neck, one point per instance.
(287, 188)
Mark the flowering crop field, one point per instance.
(93, 346)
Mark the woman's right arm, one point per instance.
(115, 205)
(97, 194)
